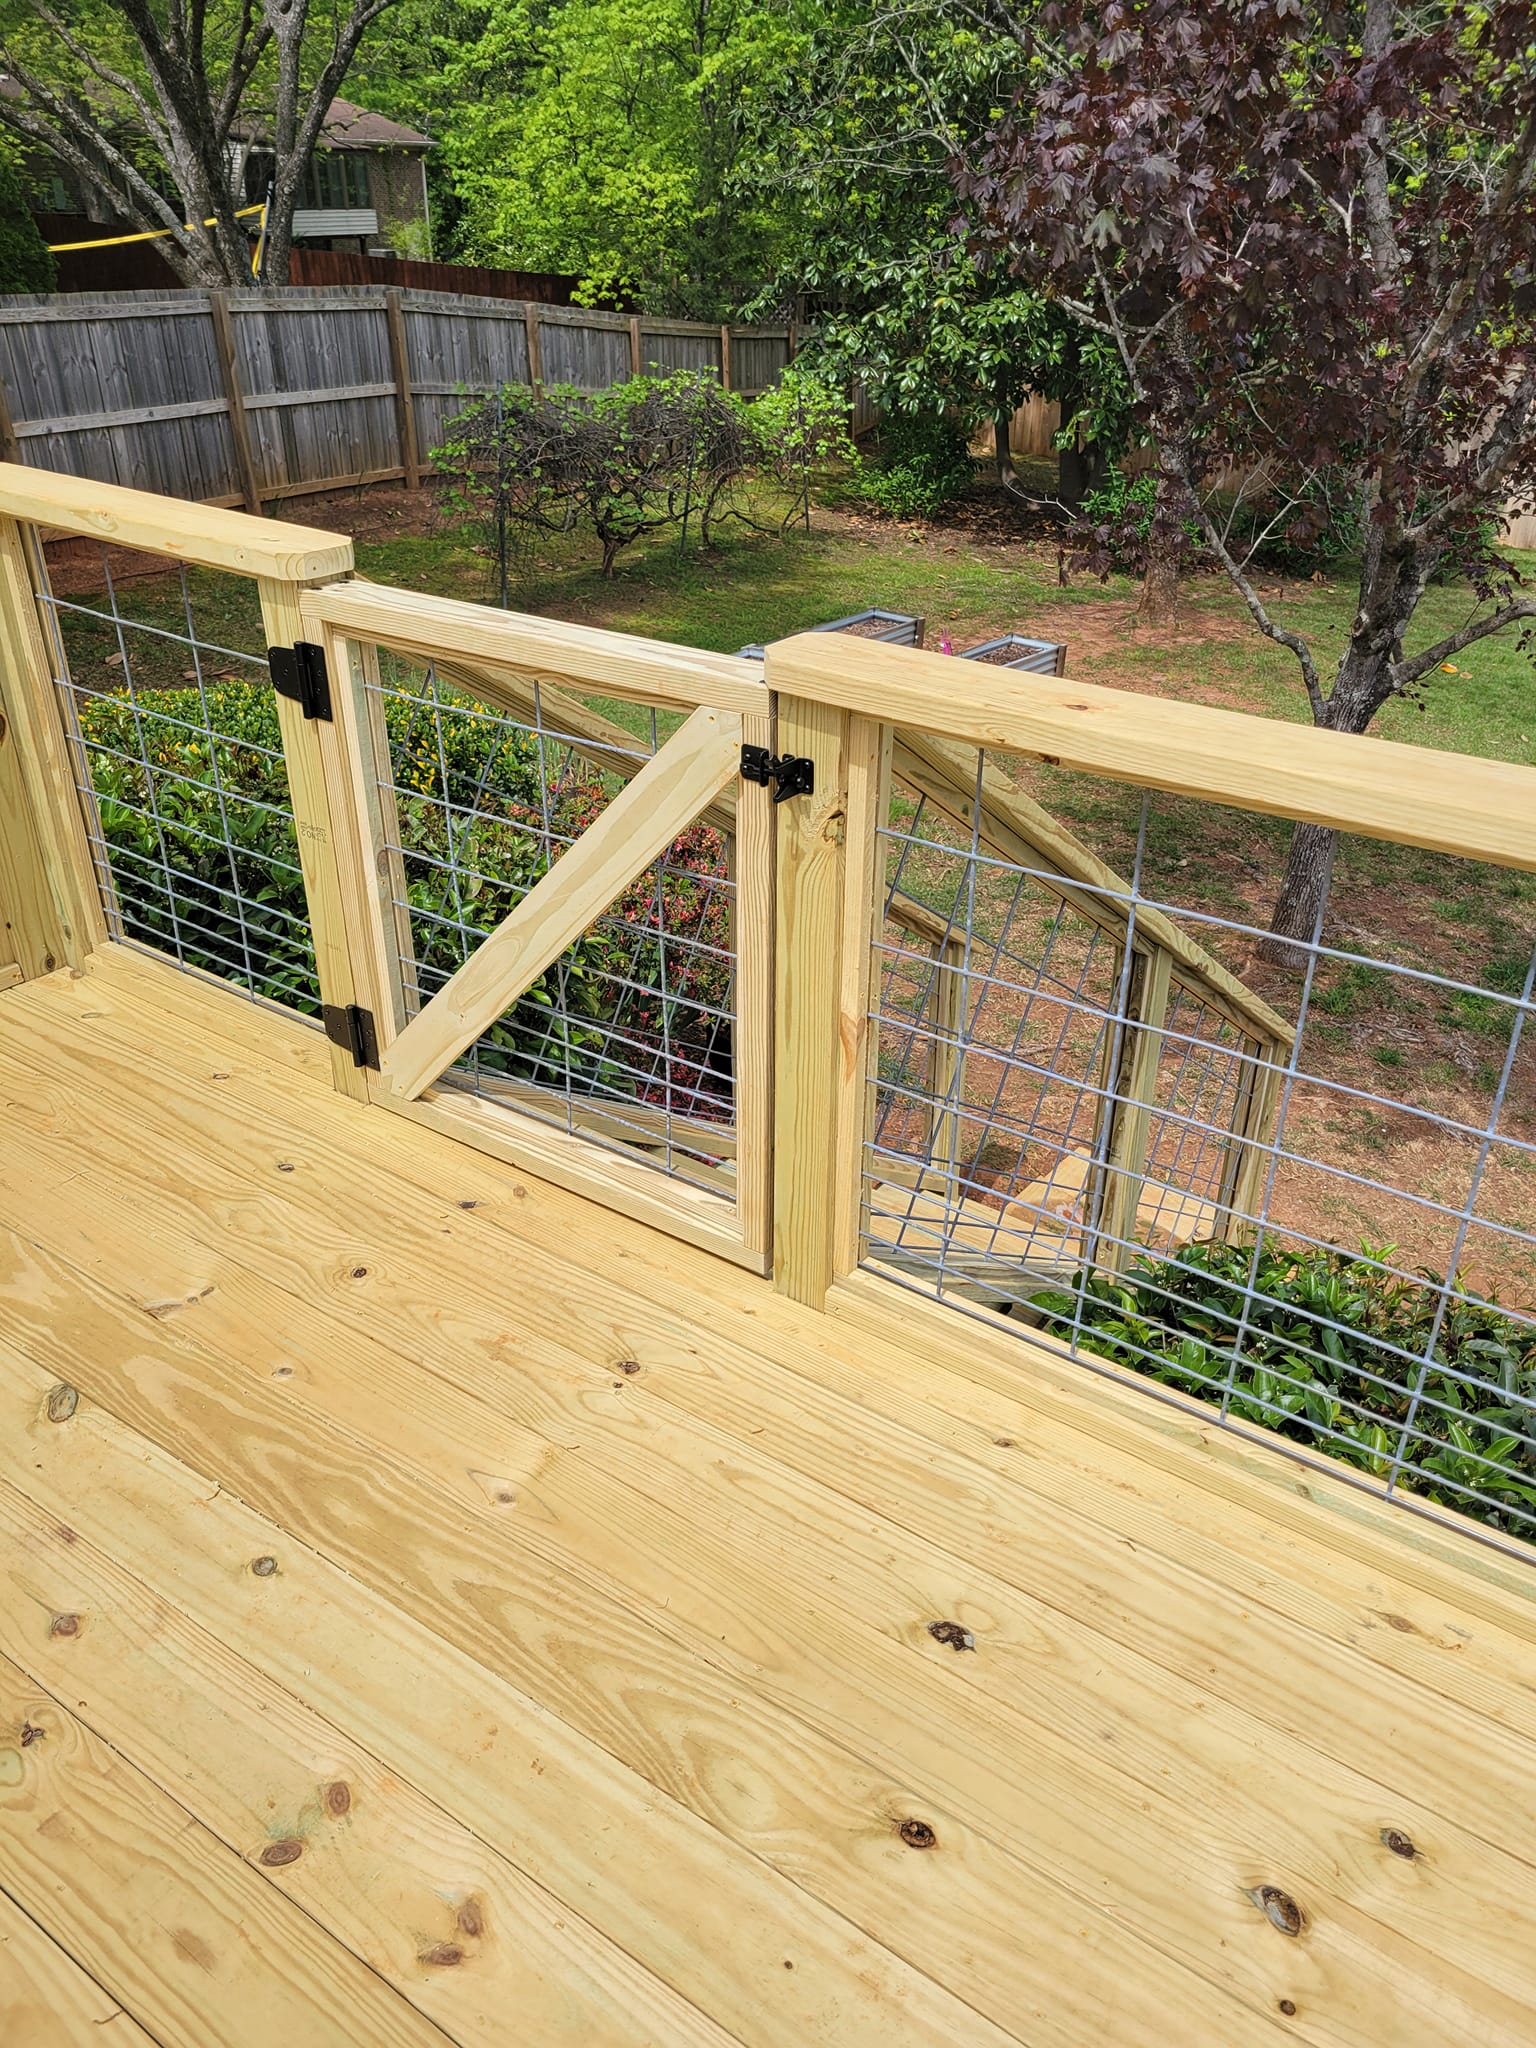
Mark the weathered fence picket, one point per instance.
(246, 397)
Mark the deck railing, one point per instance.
(987, 1009)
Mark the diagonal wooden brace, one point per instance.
(682, 780)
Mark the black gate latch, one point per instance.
(299, 672)
(791, 774)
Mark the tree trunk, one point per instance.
(1159, 601)
(1002, 451)
(1303, 891)
(1364, 685)
(1078, 471)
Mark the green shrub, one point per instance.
(1317, 529)
(491, 778)
(925, 465)
(1321, 1362)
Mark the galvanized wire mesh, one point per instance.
(178, 759)
(1331, 1240)
(627, 1039)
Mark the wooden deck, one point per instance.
(436, 1609)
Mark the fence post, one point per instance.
(400, 367)
(234, 397)
(636, 361)
(725, 358)
(535, 346)
(10, 447)
(825, 891)
(50, 897)
(324, 830)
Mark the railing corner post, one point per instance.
(825, 889)
(50, 895)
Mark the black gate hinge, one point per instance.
(299, 672)
(791, 774)
(351, 1027)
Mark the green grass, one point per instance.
(754, 588)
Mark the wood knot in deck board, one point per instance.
(1279, 1909)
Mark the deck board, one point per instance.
(699, 1593)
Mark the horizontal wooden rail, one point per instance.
(205, 535)
(582, 657)
(1449, 803)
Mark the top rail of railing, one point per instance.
(1450, 803)
(205, 535)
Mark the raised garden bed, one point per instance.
(899, 629)
(1040, 657)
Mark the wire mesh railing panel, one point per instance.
(627, 1039)
(1326, 1233)
(178, 758)
(992, 1018)
(1205, 1064)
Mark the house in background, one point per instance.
(365, 192)
(366, 187)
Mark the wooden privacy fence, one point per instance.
(246, 397)
(787, 961)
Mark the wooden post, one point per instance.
(725, 358)
(1248, 1162)
(825, 894)
(870, 748)
(535, 345)
(752, 844)
(326, 833)
(636, 360)
(945, 1060)
(790, 340)
(400, 369)
(239, 425)
(50, 897)
(10, 447)
(1129, 1109)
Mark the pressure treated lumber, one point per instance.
(1237, 1505)
(666, 1885)
(191, 1938)
(47, 2000)
(812, 1804)
(811, 1076)
(458, 1930)
(185, 532)
(1017, 829)
(1450, 803)
(50, 899)
(1331, 1968)
(581, 657)
(738, 1571)
(327, 840)
(634, 828)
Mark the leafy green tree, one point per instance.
(610, 148)
(856, 116)
(1310, 238)
(25, 264)
(148, 105)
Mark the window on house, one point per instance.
(336, 178)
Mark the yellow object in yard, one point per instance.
(154, 234)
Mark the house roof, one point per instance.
(344, 127)
(349, 127)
